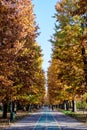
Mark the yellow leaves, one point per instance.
(77, 28)
(67, 27)
(26, 51)
(4, 81)
(17, 87)
(76, 18)
(72, 30)
(39, 60)
(55, 86)
(72, 33)
(66, 71)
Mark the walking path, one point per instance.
(48, 120)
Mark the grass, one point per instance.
(78, 116)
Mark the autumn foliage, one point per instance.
(67, 73)
(21, 75)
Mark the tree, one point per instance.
(56, 88)
(81, 11)
(17, 26)
(31, 82)
(67, 50)
(19, 21)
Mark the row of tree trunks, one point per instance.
(12, 107)
(6, 106)
(5, 109)
(69, 105)
(85, 62)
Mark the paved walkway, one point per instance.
(48, 120)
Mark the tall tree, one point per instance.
(17, 26)
(29, 75)
(67, 49)
(81, 11)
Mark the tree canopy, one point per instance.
(21, 74)
(66, 74)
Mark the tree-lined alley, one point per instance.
(22, 78)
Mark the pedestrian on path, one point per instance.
(52, 107)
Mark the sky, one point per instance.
(44, 10)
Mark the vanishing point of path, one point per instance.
(47, 120)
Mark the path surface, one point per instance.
(48, 120)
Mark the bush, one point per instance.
(82, 105)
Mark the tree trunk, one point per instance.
(67, 105)
(85, 62)
(74, 105)
(14, 106)
(5, 107)
(64, 105)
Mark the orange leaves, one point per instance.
(19, 21)
(4, 81)
(59, 7)
(19, 58)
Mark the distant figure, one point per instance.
(49, 106)
(52, 107)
